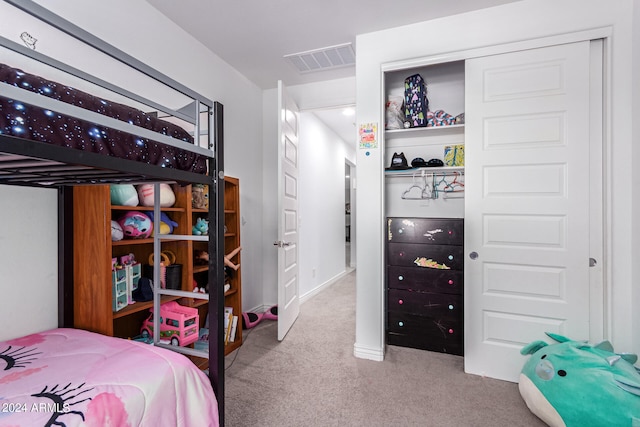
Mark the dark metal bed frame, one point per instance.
(36, 164)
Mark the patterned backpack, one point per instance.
(416, 103)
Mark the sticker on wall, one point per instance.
(368, 135)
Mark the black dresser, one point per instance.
(425, 282)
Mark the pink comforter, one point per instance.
(70, 377)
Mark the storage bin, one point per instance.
(172, 278)
(119, 298)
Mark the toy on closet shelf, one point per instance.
(394, 113)
(146, 195)
(136, 225)
(227, 258)
(200, 196)
(167, 225)
(123, 195)
(201, 227)
(116, 231)
(199, 289)
(574, 383)
(179, 326)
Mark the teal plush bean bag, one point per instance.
(572, 383)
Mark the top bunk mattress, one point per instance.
(23, 120)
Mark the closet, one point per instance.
(424, 210)
(530, 203)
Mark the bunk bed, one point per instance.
(55, 135)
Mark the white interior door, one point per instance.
(527, 201)
(287, 243)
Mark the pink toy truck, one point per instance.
(178, 324)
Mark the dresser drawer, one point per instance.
(436, 257)
(425, 333)
(437, 231)
(426, 304)
(423, 279)
(441, 345)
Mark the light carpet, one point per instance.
(311, 378)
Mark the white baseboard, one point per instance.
(260, 309)
(322, 287)
(369, 353)
(305, 297)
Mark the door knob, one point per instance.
(473, 255)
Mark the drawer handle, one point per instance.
(400, 278)
(450, 331)
(451, 281)
(401, 253)
(450, 306)
(400, 324)
(450, 257)
(400, 302)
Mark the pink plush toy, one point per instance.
(145, 194)
(136, 225)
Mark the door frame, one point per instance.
(601, 205)
(352, 216)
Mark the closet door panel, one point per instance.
(526, 203)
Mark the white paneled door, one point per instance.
(287, 243)
(527, 203)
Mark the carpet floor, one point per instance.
(311, 378)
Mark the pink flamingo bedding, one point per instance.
(71, 377)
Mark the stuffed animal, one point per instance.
(136, 225)
(116, 231)
(123, 195)
(201, 227)
(573, 383)
(167, 197)
(200, 196)
(166, 224)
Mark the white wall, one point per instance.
(635, 235)
(29, 272)
(140, 30)
(510, 23)
(322, 204)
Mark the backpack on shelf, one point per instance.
(416, 103)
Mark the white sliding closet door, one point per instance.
(526, 203)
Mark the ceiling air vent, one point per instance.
(327, 58)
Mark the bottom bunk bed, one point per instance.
(73, 377)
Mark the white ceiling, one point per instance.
(254, 35)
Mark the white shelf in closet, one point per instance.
(436, 135)
(400, 133)
(417, 172)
